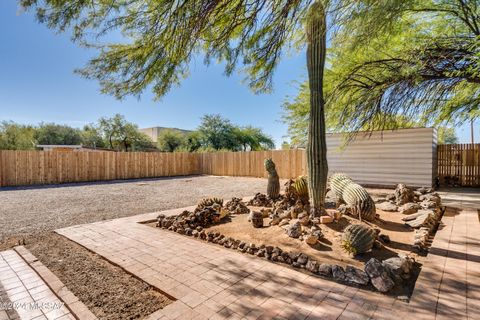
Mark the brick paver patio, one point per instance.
(211, 282)
(29, 295)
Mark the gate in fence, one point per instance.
(459, 165)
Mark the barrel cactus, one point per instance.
(208, 202)
(301, 188)
(357, 238)
(338, 182)
(359, 202)
(273, 187)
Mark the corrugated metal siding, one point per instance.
(386, 158)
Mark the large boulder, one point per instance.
(379, 276)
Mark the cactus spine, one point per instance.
(273, 187)
(359, 201)
(357, 238)
(301, 188)
(317, 146)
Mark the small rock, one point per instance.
(390, 197)
(302, 259)
(295, 229)
(377, 245)
(379, 275)
(257, 219)
(284, 222)
(338, 273)
(403, 194)
(326, 219)
(312, 266)
(356, 276)
(311, 239)
(275, 220)
(304, 219)
(387, 206)
(325, 269)
(409, 208)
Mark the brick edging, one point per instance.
(76, 307)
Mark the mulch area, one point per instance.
(107, 290)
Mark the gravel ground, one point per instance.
(31, 210)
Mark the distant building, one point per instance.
(154, 132)
(68, 148)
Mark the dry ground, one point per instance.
(29, 210)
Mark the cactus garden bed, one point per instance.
(374, 239)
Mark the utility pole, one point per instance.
(471, 131)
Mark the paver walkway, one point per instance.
(27, 296)
(211, 282)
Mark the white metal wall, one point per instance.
(386, 158)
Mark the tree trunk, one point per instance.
(317, 146)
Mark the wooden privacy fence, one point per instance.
(459, 164)
(49, 167)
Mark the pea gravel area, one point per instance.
(28, 210)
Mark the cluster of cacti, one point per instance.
(273, 187)
(354, 195)
(208, 202)
(338, 182)
(357, 238)
(301, 188)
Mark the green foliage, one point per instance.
(170, 140)
(50, 133)
(92, 137)
(123, 135)
(357, 239)
(15, 136)
(446, 135)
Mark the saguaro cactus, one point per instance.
(273, 187)
(317, 146)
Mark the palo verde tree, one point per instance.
(160, 37)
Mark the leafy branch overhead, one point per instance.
(160, 37)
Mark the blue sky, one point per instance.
(37, 84)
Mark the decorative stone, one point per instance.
(356, 276)
(399, 267)
(409, 208)
(379, 275)
(403, 194)
(312, 266)
(302, 259)
(257, 219)
(295, 229)
(311, 239)
(387, 206)
(390, 197)
(420, 219)
(325, 269)
(326, 219)
(304, 219)
(275, 220)
(338, 273)
(284, 222)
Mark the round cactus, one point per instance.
(357, 238)
(301, 187)
(359, 201)
(338, 182)
(208, 202)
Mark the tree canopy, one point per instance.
(215, 133)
